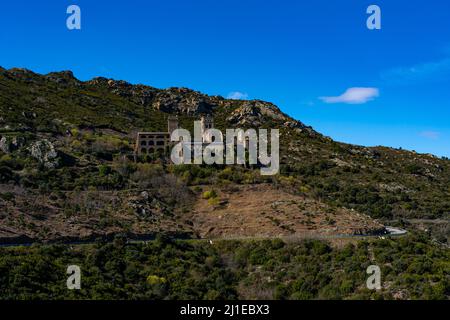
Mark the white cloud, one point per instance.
(354, 96)
(419, 73)
(433, 135)
(236, 95)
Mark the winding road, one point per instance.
(392, 232)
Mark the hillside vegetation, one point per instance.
(67, 170)
(68, 173)
(271, 269)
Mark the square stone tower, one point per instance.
(207, 122)
(172, 124)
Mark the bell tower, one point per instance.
(207, 122)
(172, 124)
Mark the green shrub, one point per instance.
(154, 280)
(211, 194)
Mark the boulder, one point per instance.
(45, 153)
(4, 145)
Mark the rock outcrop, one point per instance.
(63, 77)
(256, 113)
(9, 144)
(4, 145)
(45, 153)
(182, 100)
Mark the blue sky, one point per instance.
(308, 57)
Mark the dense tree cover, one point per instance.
(412, 268)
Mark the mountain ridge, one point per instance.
(83, 132)
(200, 102)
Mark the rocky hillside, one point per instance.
(67, 171)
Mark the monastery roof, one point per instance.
(153, 133)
